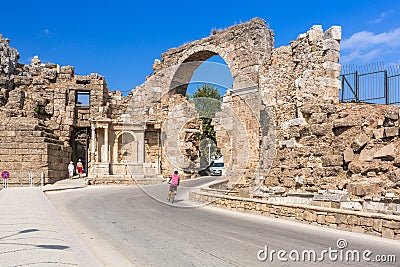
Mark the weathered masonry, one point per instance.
(281, 125)
(45, 111)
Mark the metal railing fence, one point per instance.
(373, 83)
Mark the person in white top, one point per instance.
(71, 170)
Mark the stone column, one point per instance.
(115, 151)
(140, 147)
(93, 148)
(106, 143)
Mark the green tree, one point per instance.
(207, 100)
(207, 90)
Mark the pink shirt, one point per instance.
(175, 179)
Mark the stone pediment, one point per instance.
(100, 121)
(100, 118)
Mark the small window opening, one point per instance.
(83, 98)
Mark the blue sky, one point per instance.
(121, 39)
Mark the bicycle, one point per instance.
(173, 193)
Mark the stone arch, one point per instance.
(127, 147)
(245, 48)
(243, 156)
(117, 135)
(190, 61)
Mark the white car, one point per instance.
(217, 167)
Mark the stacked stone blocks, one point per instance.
(38, 102)
(387, 226)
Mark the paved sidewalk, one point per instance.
(32, 232)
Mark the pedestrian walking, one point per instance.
(71, 169)
(79, 167)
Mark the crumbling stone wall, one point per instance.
(304, 73)
(280, 125)
(180, 138)
(39, 113)
(346, 146)
(237, 130)
(152, 145)
(323, 144)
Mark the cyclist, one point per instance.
(174, 182)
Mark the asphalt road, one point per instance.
(132, 226)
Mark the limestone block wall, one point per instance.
(38, 101)
(9, 57)
(298, 76)
(152, 141)
(320, 143)
(341, 146)
(27, 146)
(238, 136)
(8, 62)
(315, 56)
(58, 156)
(48, 92)
(178, 140)
(387, 226)
(306, 72)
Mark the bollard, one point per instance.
(42, 179)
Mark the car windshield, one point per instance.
(218, 164)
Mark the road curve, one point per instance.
(133, 226)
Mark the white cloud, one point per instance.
(356, 56)
(365, 46)
(378, 20)
(365, 39)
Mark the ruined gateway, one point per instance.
(281, 125)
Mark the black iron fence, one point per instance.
(372, 83)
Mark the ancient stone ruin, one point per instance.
(280, 127)
(41, 115)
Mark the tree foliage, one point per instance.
(207, 101)
(207, 90)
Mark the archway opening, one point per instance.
(203, 79)
(208, 86)
(79, 142)
(127, 148)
